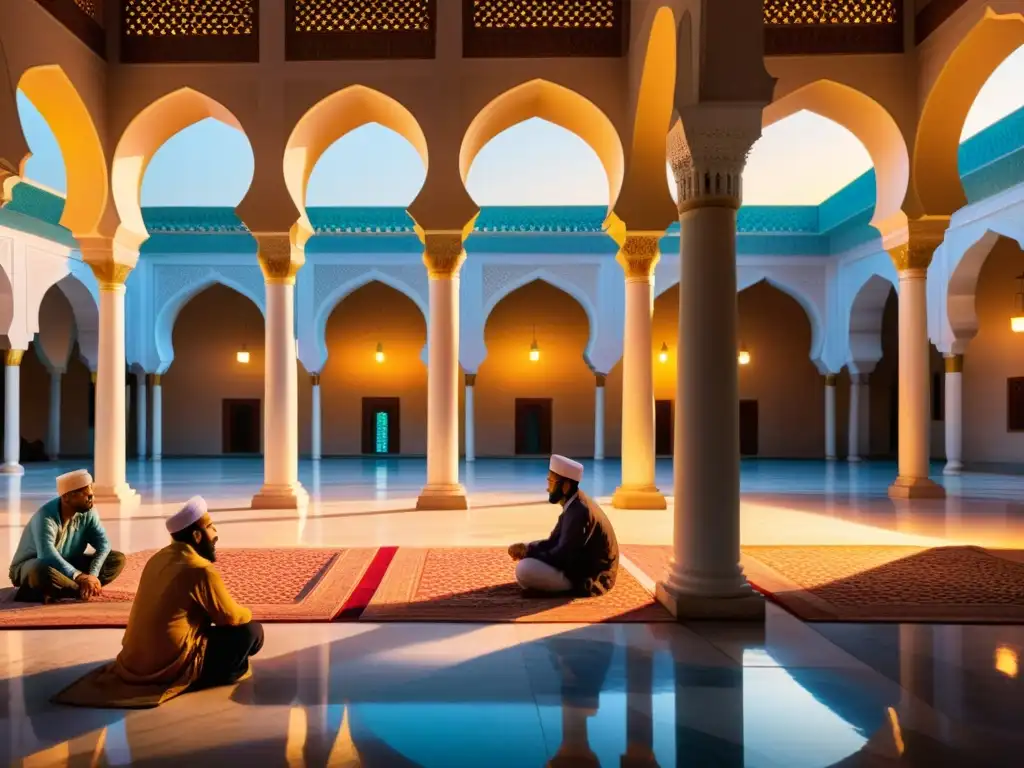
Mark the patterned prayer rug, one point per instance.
(877, 583)
(478, 585)
(279, 585)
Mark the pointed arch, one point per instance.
(556, 104)
(962, 288)
(85, 165)
(331, 119)
(935, 164)
(866, 119)
(865, 323)
(86, 312)
(145, 134)
(800, 297)
(338, 295)
(168, 312)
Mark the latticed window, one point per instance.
(360, 29)
(188, 18)
(801, 12)
(361, 15)
(541, 14)
(92, 8)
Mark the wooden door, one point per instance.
(748, 427)
(663, 426)
(533, 426)
(381, 426)
(241, 426)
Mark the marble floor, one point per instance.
(786, 694)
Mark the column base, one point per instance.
(854, 459)
(288, 496)
(11, 469)
(748, 605)
(953, 468)
(916, 488)
(120, 497)
(626, 497)
(830, 458)
(442, 497)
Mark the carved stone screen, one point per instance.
(190, 31)
(360, 29)
(83, 18)
(529, 28)
(807, 27)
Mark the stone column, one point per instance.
(317, 417)
(638, 256)
(705, 578)
(912, 259)
(599, 416)
(53, 431)
(470, 418)
(12, 413)
(830, 417)
(858, 412)
(280, 261)
(140, 415)
(111, 262)
(157, 395)
(954, 415)
(443, 256)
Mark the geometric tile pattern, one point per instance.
(361, 15)
(539, 14)
(819, 12)
(197, 18)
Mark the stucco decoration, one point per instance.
(334, 282)
(556, 104)
(175, 286)
(872, 124)
(935, 161)
(145, 134)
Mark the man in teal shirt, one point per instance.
(51, 563)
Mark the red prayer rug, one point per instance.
(279, 585)
(478, 585)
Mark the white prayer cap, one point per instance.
(193, 510)
(566, 468)
(72, 481)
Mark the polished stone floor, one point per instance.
(788, 694)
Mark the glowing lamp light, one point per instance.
(663, 355)
(1006, 660)
(743, 357)
(1017, 319)
(380, 353)
(242, 355)
(534, 349)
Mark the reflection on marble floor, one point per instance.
(790, 694)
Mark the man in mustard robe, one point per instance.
(170, 646)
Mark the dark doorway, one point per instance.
(533, 426)
(748, 427)
(241, 433)
(663, 427)
(381, 425)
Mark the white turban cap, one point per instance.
(72, 481)
(193, 510)
(567, 468)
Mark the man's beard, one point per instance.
(557, 495)
(206, 549)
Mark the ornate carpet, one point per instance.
(478, 585)
(277, 584)
(877, 583)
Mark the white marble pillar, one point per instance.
(599, 416)
(316, 416)
(638, 256)
(140, 416)
(706, 579)
(914, 375)
(954, 415)
(858, 391)
(12, 413)
(443, 256)
(157, 395)
(53, 429)
(470, 418)
(830, 417)
(280, 262)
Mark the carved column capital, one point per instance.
(279, 259)
(830, 379)
(470, 379)
(708, 149)
(954, 363)
(8, 179)
(111, 261)
(639, 254)
(600, 379)
(443, 254)
(12, 357)
(154, 379)
(314, 379)
(912, 249)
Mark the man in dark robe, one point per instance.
(581, 556)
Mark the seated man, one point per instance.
(51, 563)
(581, 556)
(169, 646)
